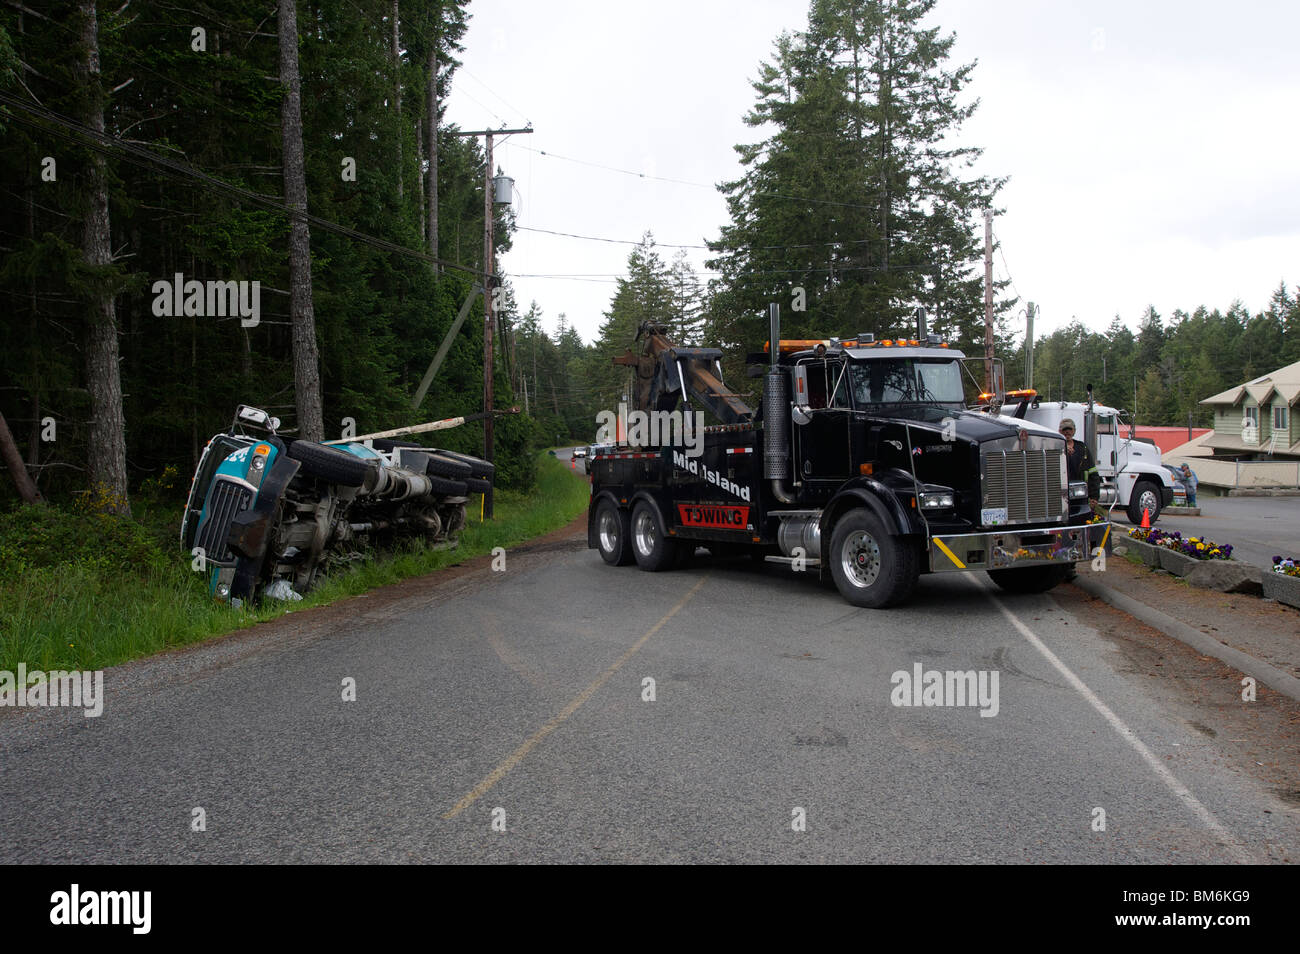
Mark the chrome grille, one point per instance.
(1027, 483)
(226, 501)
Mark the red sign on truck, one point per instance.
(714, 516)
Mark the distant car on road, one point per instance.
(579, 452)
(1180, 489)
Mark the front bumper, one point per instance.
(999, 549)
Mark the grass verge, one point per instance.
(90, 614)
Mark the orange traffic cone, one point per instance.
(1146, 519)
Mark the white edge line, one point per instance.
(1180, 791)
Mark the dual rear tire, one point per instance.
(624, 537)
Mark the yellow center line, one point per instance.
(520, 753)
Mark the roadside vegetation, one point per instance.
(85, 590)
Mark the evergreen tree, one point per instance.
(855, 205)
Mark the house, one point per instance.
(1257, 420)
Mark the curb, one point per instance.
(1207, 645)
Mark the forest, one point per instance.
(301, 145)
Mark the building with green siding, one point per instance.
(1258, 420)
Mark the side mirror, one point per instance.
(800, 382)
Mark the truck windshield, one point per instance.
(905, 380)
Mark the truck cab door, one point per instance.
(822, 450)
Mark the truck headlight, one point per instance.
(937, 500)
(1079, 490)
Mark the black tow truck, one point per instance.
(863, 463)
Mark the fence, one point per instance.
(1244, 473)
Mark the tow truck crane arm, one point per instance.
(666, 374)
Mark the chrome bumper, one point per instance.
(999, 549)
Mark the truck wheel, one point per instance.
(1146, 495)
(479, 468)
(1030, 579)
(440, 465)
(329, 464)
(653, 549)
(613, 534)
(871, 568)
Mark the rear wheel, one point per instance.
(330, 464)
(1030, 579)
(652, 548)
(613, 534)
(1146, 496)
(870, 567)
(482, 469)
(440, 465)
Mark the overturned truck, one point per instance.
(863, 464)
(266, 515)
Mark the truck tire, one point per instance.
(482, 469)
(477, 486)
(652, 548)
(329, 464)
(445, 487)
(1145, 495)
(613, 534)
(870, 567)
(440, 465)
(1030, 579)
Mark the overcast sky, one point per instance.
(1153, 155)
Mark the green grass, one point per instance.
(91, 611)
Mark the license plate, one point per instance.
(993, 516)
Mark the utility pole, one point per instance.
(1029, 346)
(489, 288)
(988, 301)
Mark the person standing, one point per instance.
(1079, 464)
(1190, 482)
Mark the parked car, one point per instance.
(1180, 489)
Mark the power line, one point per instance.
(102, 142)
(463, 69)
(657, 243)
(714, 187)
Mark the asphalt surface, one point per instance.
(518, 698)
(1258, 528)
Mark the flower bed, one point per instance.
(1194, 547)
(1287, 566)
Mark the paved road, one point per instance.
(1257, 527)
(519, 697)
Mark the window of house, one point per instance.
(1280, 417)
(1252, 415)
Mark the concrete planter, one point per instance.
(1284, 589)
(1148, 554)
(1176, 563)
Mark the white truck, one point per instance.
(1132, 475)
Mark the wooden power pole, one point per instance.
(988, 301)
(489, 287)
